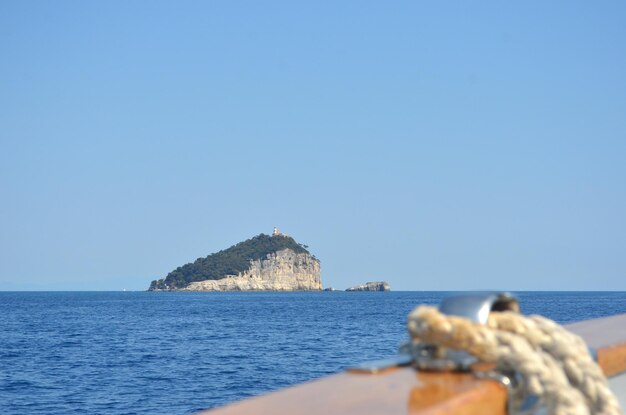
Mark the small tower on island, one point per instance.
(277, 232)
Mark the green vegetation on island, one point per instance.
(230, 261)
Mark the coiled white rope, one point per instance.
(554, 363)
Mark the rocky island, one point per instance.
(371, 286)
(262, 263)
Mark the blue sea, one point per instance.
(178, 353)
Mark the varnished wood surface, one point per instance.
(601, 332)
(608, 337)
(398, 391)
(406, 391)
(612, 359)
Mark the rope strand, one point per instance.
(554, 363)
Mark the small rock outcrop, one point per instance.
(371, 286)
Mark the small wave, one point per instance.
(156, 378)
(23, 386)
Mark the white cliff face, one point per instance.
(280, 271)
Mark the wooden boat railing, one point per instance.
(404, 390)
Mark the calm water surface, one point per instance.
(177, 353)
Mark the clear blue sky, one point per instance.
(436, 145)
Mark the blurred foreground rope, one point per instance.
(554, 363)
